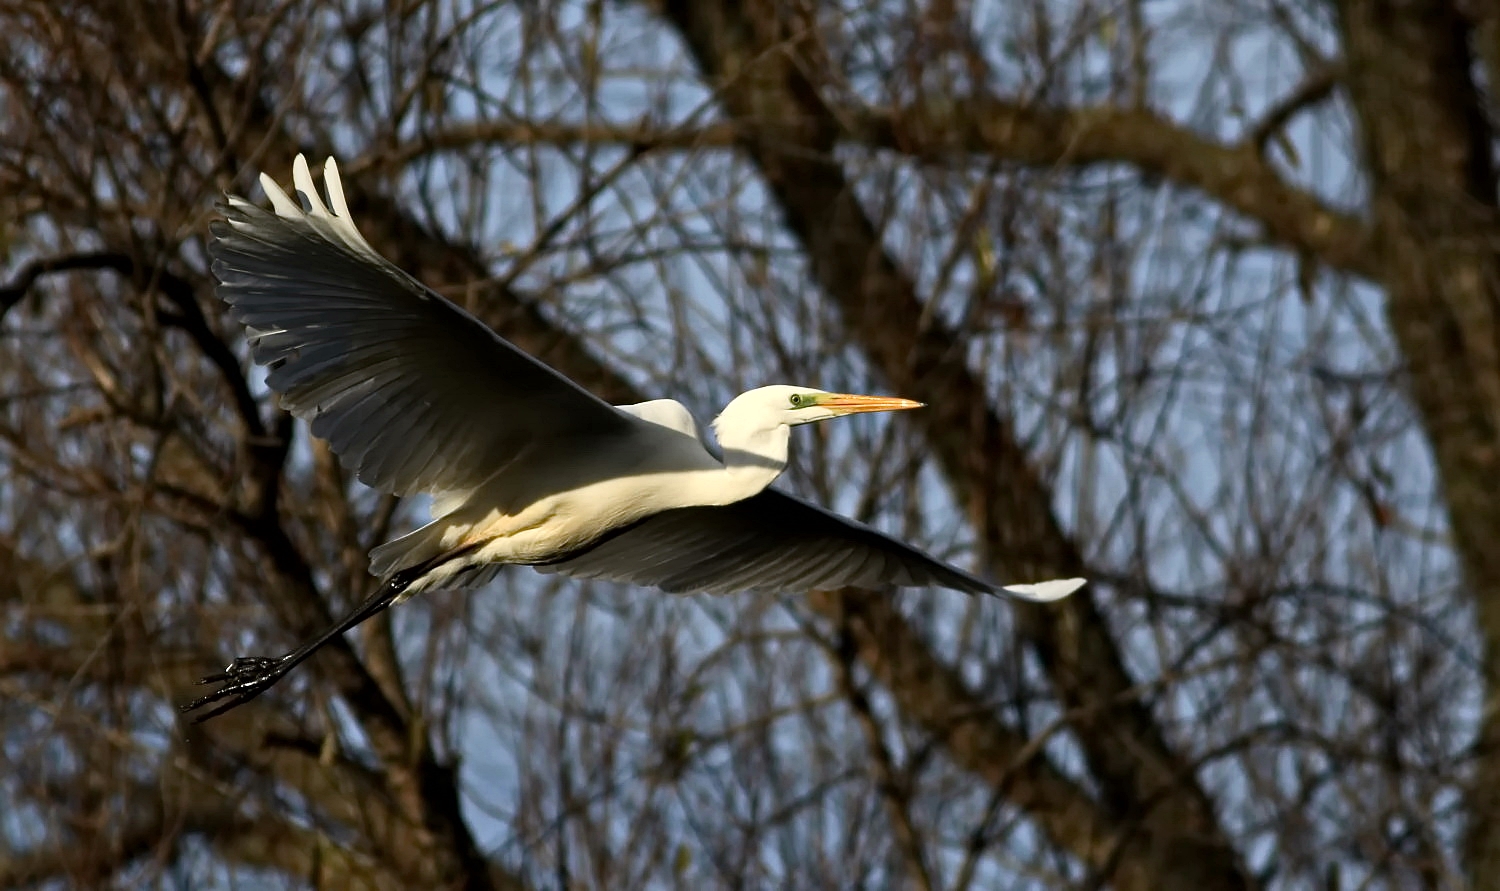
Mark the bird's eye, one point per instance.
(796, 400)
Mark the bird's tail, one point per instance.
(401, 553)
(414, 549)
(422, 552)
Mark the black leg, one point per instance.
(249, 676)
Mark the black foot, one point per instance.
(244, 679)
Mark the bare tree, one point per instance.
(1201, 297)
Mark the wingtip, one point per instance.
(335, 186)
(1045, 592)
(302, 181)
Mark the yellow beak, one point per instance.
(850, 403)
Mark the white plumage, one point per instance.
(525, 466)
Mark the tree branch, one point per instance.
(1315, 88)
(935, 697)
(644, 135)
(21, 285)
(893, 789)
(1236, 175)
(1428, 138)
(756, 59)
(174, 287)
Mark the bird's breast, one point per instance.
(555, 504)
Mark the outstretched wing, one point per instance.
(772, 542)
(412, 393)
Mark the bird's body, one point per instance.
(524, 466)
(556, 498)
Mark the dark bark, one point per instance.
(769, 80)
(1428, 148)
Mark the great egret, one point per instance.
(525, 466)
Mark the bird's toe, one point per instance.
(244, 679)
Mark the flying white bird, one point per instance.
(417, 396)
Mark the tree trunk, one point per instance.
(1162, 829)
(1428, 148)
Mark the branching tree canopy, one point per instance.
(1205, 303)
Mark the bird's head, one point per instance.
(791, 406)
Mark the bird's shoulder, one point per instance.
(668, 413)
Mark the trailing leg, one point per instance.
(249, 676)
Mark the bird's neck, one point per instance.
(752, 461)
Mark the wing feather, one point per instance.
(772, 542)
(411, 392)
